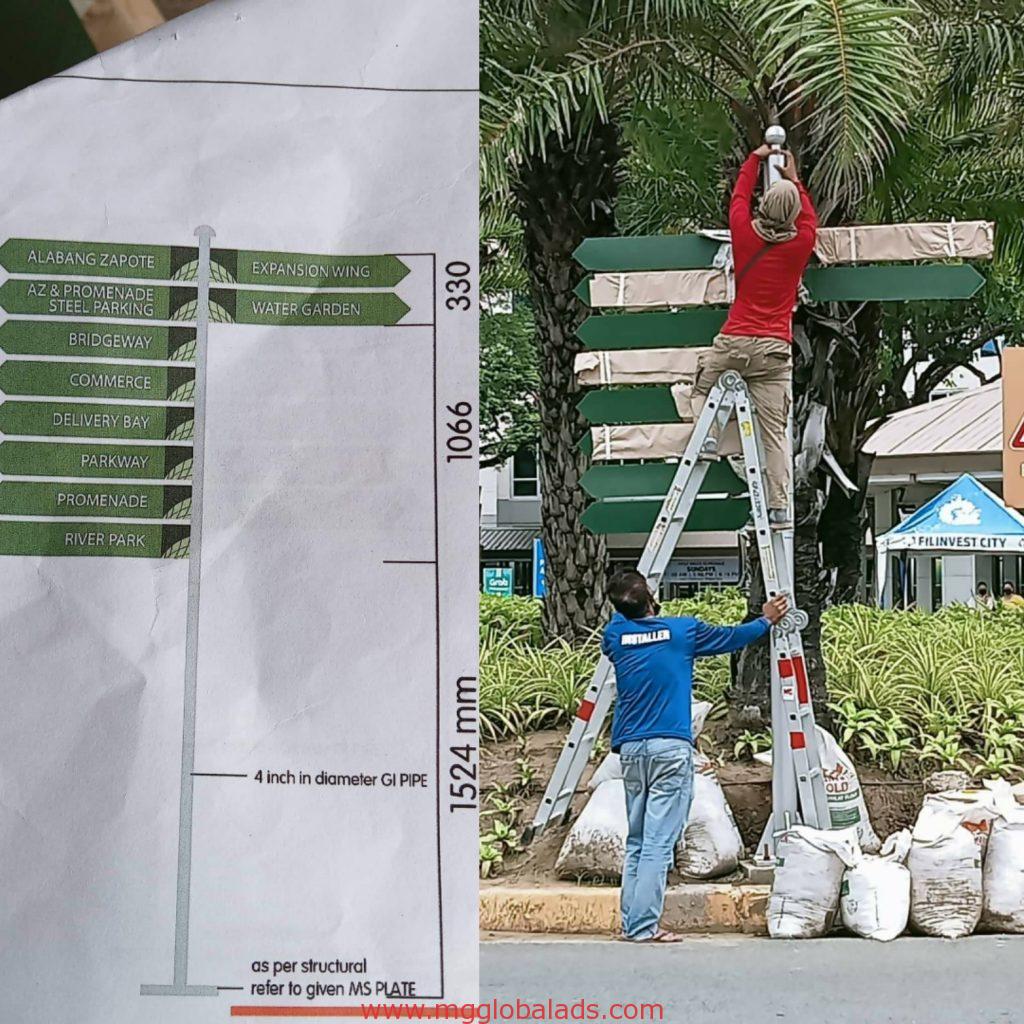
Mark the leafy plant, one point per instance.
(490, 859)
(750, 743)
(941, 690)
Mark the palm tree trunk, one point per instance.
(564, 195)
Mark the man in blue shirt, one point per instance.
(653, 659)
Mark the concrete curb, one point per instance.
(594, 910)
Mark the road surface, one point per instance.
(760, 981)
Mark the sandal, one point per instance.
(660, 936)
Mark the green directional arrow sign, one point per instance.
(129, 462)
(652, 478)
(314, 309)
(892, 283)
(292, 268)
(639, 516)
(102, 501)
(116, 300)
(92, 259)
(98, 380)
(646, 252)
(96, 341)
(148, 540)
(72, 419)
(690, 328)
(629, 405)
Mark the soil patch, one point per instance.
(892, 802)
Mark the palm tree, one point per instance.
(855, 82)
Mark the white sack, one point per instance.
(611, 766)
(711, 845)
(846, 806)
(946, 864)
(875, 895)
(596, 844)
(808, 876)
(595, 847)
(1003, 873)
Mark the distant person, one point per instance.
(770, 250)
(982, 600)
(651, 731)
(1011, 599)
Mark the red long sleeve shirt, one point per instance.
(766, 294)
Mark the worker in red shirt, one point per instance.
(770, 249)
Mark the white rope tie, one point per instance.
(853, 244)
(606, 440)
(620, 299)
(605, 367)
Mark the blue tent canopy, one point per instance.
(966, 518)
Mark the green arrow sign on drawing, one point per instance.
(109, 300)
(149, 540)
(91, 259)
(73, 419)
(315, 309)
(283, 268)
(121, 341)
(98, 380)
(102, 501)
(129, 462)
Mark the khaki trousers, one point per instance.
(766, 364)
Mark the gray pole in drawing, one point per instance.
(180, 986)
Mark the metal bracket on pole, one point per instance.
(774, 136)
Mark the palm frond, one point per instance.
(847, 73)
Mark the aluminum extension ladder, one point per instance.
(798, 787)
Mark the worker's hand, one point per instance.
(762, 151)
(788, 169)
(774, 609)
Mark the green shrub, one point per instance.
(943, 690)
(510, 616)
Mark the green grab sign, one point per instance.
(97, 341)
(93, 259)
(314, 309)
(146, 540)
(101, 501)
(111, 461)
(73, 419)
(498, 582)
(98, 380)
(243, 266)
(102, 299)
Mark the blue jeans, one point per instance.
(658, 776)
